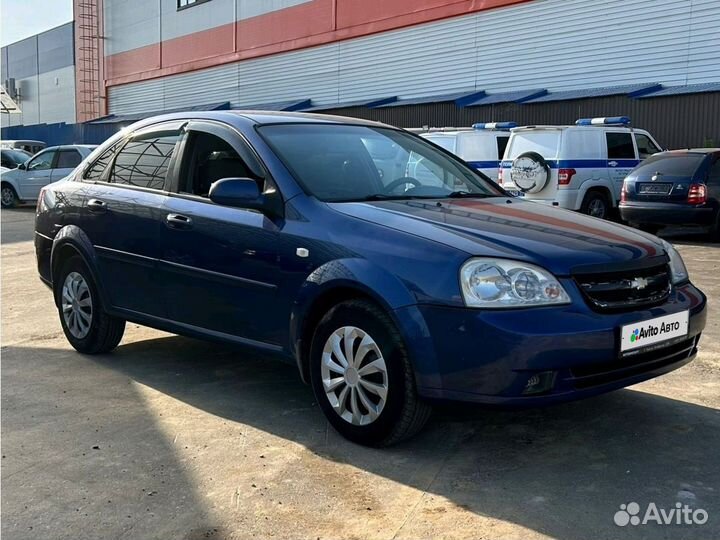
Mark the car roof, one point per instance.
(235, 117)
(694, 151)
(72, 147)
(23, 141)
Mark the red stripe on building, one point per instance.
(306, 25)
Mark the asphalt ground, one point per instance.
(173, 438)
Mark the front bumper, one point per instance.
(489, 356)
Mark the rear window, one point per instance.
(671, 164)
(544, 142)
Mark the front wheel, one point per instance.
(8, 197)
(86, 325)
(362, 376)
(595, 204)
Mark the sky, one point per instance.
(24, 18)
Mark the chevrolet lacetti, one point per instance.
(388, 270)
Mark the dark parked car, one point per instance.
(389, 291)
(12, 157)
(679, 187)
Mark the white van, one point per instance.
(33, 147)
(580, 167)
(481, 146)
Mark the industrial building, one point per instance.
(406, 62)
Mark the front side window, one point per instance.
(646, 147)
(620, 146)
(42, 162)
(144, 160)
(68, 159)
(340, 163)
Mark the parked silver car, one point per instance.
(23, 184)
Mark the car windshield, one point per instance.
(16, 157)
(342, 163)
(675, 164)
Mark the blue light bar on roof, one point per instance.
(608, 121)
(495, 125)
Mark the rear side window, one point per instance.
(448, 143)
(502, 142)
(144, 161)
(620, 146)
(714, 174)
(68, 159)
(545, 142)
(671, 164)
(95, 171)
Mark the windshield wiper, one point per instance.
(467, 195)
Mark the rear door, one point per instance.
(67, 160)
(37, 175)
(123, 215)
(621, 158)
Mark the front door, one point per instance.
(122, 216)
(221, 264)
(37, 175)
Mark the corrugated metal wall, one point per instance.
(44, 72)
(675, 121)
(554, 44)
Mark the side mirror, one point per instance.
(22, 166)
(240, 192)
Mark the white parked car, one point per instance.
(24, 183)
(580, 167)
(481, 146)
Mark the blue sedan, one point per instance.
(386, 269)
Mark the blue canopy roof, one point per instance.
(124, 118)
(359, 103)
(460, 98)
(291, 105)
(630, 90)
(515, 96)
(689, 89)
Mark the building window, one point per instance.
(183, 4)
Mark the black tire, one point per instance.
(403, 414)
(593, 201)
(9, 198)
(105, 332)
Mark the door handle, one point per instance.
(178, 221)
(96, 205)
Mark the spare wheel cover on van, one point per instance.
(530, 172)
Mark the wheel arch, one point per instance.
(71, 241)
(596, 187)
(336, 282)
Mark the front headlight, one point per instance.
(502, 283)
(678, 272)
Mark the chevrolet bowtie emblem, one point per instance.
(639, 283)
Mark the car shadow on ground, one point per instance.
(562, 471)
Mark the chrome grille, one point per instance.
(626, 289)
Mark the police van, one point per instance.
(580, 167)
(481, 146)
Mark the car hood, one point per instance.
(556, 239)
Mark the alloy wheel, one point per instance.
(7, 196)
(77, 308)
(596, 208)
(354, 375)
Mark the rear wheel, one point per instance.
(362, 377)
(596, 204)
(8, 197)
(86, 325)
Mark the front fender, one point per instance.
(73, 237)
